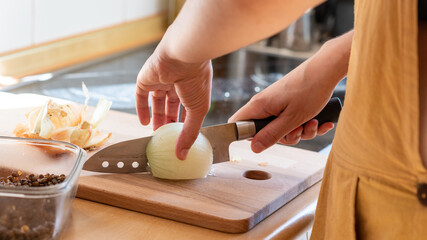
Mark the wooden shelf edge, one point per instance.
(77, 49)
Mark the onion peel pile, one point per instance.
(66, 122)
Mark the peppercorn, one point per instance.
(17, 219)
(16, 179)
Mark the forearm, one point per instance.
(206, 29)
(330, 64)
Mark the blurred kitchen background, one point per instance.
(49, 47)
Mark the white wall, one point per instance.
(15, 24)
(24, 23)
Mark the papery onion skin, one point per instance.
(164, 163)
(64, 122)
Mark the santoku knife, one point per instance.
(129, 156)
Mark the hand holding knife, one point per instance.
(220, 137)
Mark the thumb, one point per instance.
(192, 124)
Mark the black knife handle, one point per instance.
(329, 113)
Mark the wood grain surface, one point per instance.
(225, 201)
(91, 220)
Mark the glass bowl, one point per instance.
(35, 199)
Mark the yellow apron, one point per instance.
(375, 171)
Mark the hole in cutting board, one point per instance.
(257, 175)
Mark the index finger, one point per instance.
(192, 124)
(251, 110)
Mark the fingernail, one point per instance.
(184, 153)
(258, 147)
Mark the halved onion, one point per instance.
(163, 161)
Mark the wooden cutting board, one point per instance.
(229, 200)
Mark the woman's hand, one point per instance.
(298, 97)
(294, 100)
(172, 82)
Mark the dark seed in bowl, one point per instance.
(33, 218)
(16, 179)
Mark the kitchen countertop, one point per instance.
(90, 220)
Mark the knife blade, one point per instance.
(129, 156)
(123, 157)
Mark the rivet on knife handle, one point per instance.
(329, 113)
